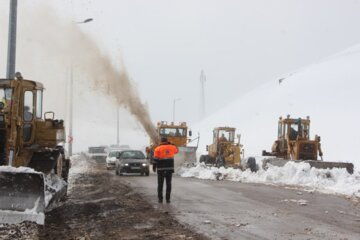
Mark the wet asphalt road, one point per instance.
(233, 210)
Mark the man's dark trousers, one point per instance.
(167, 175)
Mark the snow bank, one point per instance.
(328, 92)
(334, 181)
(17, 169)
(78, 165)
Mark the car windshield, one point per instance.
(113, 154)
(132, 155)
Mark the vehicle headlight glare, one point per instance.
(126, 164)
(144, 164)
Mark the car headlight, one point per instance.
(125, 164)
(144, 164)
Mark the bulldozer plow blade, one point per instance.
(22, 197)
(185, 155)
(313, 163)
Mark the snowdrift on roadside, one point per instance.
(335, 181)
(328, 92)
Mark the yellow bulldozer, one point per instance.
(294, 144)
(178, 135)
(226, 150)
(33, 166)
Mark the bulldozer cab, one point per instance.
(224, 134)
(20, 100)
(22, 127)
(293, 129)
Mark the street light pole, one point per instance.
(71, 97)
(11, 57)
(175, 99)
(70, 140)
(117, 126)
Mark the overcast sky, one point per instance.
(239, 44)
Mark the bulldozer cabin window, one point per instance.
(28, 106)
(5, 96)
(298, 130)
(226, 136)
(39, 98)
(173, 132)
(28, 115)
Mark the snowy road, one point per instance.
(232, 210)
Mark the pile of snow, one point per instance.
(328, 92)
(17, 169)
(335, 181)
(78, 165)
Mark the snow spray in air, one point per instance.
(111, 80)
(66, 44)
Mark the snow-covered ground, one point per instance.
(334, 181)
(328, 92)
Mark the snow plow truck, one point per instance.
(33, 166)
(180, 136)
(294, 144)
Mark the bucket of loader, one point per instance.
(186, 155)
(22, 196)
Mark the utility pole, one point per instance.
(71, 97)
(117, 126)
(70, 140)
(202, 100)
(11, 57)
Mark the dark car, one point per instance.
(131, 161)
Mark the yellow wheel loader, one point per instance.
(225, 151)
(178, 135)
(294, 144)
(33, 166)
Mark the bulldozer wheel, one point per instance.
(65, 170)
(203, 158)
(251, 163)
(220, 161)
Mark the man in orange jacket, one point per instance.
(164, 163)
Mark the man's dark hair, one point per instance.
(164, 140)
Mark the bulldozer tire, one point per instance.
(64, 197)
(251, 164)
(65, 170)
(220, 161)
(203, 158)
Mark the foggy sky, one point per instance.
(239, 44)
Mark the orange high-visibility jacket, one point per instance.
(165, 151)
